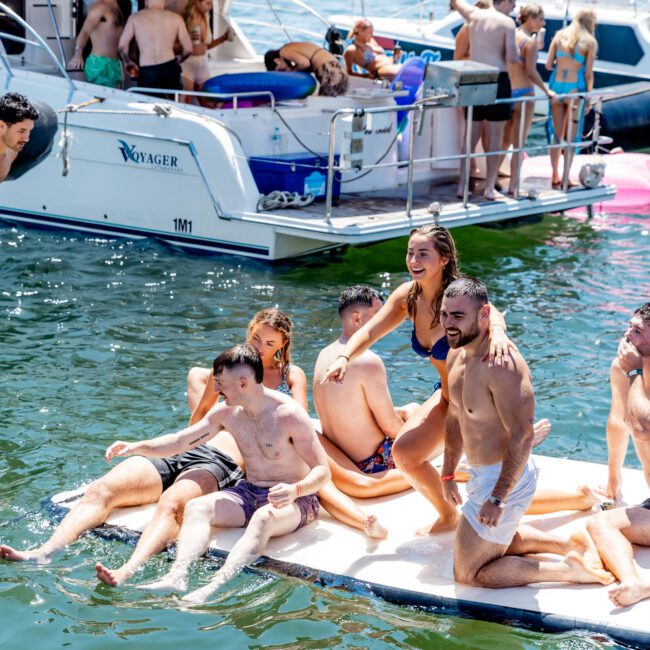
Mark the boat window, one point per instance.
(9, 26)
(609, 39)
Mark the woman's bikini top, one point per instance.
(438, 352)
(284, 386)
(195, 35)
(576, 56)
(521, 42)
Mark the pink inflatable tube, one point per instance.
(630, 172)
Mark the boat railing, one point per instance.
(417, 109)
(37, 42)
(222, 97)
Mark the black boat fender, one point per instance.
(40, 142)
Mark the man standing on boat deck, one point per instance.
(156, 30)
(103, 26)
(285, 468)
(492, 42)
(17, 117)
(490, 417)
(615, 531)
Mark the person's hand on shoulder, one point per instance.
(336, 372)
(500, 347)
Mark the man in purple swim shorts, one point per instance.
(285, 467)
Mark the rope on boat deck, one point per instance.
(278, 199)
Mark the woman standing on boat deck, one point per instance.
(196, 69)
(366, 53)
(571, 58)
(269, 332)
(431, 261)
(523, 79)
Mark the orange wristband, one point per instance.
(448, 477)
(298, 489)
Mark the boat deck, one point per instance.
(412, 570)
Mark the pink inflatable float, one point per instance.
(630, 172)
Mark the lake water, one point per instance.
(97, 337)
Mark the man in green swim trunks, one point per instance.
(103, 26)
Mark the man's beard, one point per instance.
(463, 338)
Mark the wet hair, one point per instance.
(579, 32)
(470, 287)
(15, 108)
(359, 294)
(279, 321)
(269, 59)
(444, 245)
(240, 355)
(644, 312)
(531, 10)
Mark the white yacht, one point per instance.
(622, 31)
(128, 165)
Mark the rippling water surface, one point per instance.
(96, 339)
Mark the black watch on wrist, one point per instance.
(495, 501)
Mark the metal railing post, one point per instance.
(409, 182)
(468, 145)
(330, 170)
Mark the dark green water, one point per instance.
(97, 337)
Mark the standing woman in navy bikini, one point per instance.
(431, 261)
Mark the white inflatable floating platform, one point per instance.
(410, 570)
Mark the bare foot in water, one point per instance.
(541, 429)
(199, 596)
(14, 555)
(628, 593)
(584, 573)
(165, 585)
(440, 526)
(373, 528)
(585, 547)
(112, 577)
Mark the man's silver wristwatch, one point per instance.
(495, 501)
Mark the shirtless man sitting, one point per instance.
(285, 467)
(103, 26)
(492, 42)
(491, 417)
(359, 448)
(615, 531)
(156, 30)
(17, 117)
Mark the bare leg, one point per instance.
(495, 138)
(164, 526)
(197, 378)
(546, 501)
(484, 564)
(422, 438)
(558, 116)
(133, 482)
(614, 532)
(515, 162)
(202, 515)
(344, 509)
(267, 522)
(350, 480)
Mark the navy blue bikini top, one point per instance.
(438, 352)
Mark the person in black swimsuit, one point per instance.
(308, 57)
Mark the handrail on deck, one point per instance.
(40, 42)
(199, 93)
(434, 102)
